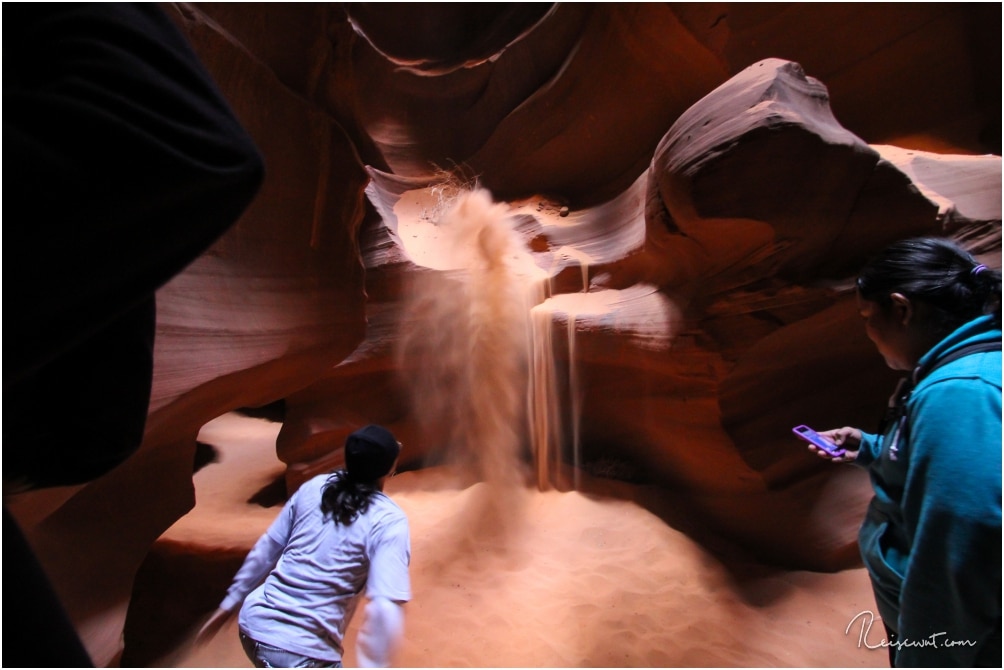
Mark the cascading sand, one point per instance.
(464, 341)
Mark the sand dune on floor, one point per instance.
(523, 578)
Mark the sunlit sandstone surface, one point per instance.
(606, 577)
(598, 258)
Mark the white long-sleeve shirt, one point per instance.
(314, 573)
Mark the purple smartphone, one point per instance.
(812, 437)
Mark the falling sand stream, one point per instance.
(477, 343)
(509, 569)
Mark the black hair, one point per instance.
(939, 273)
(346, 498)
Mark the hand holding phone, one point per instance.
(817, 440)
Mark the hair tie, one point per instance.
(977, 270)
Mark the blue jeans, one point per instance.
(266, 656)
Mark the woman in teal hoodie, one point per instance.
(931, 539)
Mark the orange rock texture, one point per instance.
(718, 169)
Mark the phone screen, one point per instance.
(812, 437)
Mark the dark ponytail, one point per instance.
(938, 273)
(344, 498)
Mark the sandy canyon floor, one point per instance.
(549, 579)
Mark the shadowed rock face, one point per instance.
(721, 169)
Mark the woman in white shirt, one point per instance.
(337, 537)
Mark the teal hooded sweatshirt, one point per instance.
(931, 538)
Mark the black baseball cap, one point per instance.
(370, 453)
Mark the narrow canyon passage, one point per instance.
(595, 374)
(577, 579)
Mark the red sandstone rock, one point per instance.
(750, 231)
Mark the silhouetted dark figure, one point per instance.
(123, 164)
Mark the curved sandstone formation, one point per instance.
(694, 185)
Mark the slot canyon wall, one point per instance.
(718, 170)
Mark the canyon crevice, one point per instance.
(702, 180)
